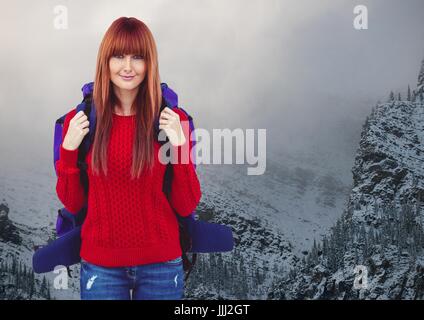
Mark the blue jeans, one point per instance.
(156, 281)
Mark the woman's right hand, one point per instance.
(78, 128)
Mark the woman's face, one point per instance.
(127, 71)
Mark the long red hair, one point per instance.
(127, 36)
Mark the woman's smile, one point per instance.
(127, 78)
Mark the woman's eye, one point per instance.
(138, 57)
(118, 56)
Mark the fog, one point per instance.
(297, 68)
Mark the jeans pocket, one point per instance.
(176, 261)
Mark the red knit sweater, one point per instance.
(129, 222)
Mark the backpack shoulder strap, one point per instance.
(58, 130)
(88, 108)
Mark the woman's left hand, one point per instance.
(169, 121)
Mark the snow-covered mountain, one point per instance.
(274, 218)
(29, 204)
(296, 196)
(381, 231)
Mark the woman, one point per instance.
(130, 237)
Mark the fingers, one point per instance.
(84, 124)
(80, 120)
(168, 128)
(79, 117)
(77, 130)
(83, 131)
(167, 112)
(165, 121)
(170, 131)
(166, 116)
(79, 114)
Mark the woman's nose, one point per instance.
(127, 65)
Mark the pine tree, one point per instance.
(275, 268)
(226, 276)
(391, 96)
(409, 93)
(32, 284)
(324, 246)
(414, 96)
(420, 84)
(13, 266)
(243, 282)
(43, 288)
(219, 271)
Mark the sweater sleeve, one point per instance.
(185, 189)
(68, 187)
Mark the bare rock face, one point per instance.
(8, 231)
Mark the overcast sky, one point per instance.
(295, 67)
